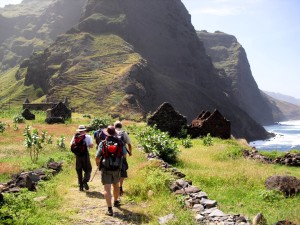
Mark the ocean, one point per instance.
(287, 137)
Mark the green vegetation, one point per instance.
(2, 127)
(159, 143)
(220, 170)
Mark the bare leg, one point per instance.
(121, 181)
(116, 191)
(107, 194)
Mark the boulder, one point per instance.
(289, 185)
(28, 115)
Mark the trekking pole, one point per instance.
(94, 175)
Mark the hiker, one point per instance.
(80, 145)
(109, 157)
(126, 140)
(99, 136)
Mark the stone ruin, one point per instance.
(58, 114)
(168, 120)
(42, 106)
(28, 115)
(210, 123)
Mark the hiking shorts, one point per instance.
(110, 177)
(124, 168)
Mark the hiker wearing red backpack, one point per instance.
(109, 159)
(126, 141)
(80, 144)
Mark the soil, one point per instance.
(89, 206)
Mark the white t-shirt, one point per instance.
(125, 135)
(88, 140)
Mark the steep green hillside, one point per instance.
(91, 71)
(13, 91)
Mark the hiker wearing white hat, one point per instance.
(80, 145)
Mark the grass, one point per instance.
(238, 184)
(235, 183)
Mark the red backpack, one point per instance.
(79, 146)
(112, 154)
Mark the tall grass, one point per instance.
(236, 183)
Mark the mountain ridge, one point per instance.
(130, 57)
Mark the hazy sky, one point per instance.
(269, 30)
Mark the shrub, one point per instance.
(61, 142)
(87, 116)
(2, 127)
(17, 208)
(159, 143)
(207, 141)
(96, 123)
(18, 119)
(34, 142)
(187, 143)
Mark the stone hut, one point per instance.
(168, 120)
(59, 110)
(58, 114)
(210, 123)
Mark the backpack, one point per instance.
(112, 154)
(79, 146)
(99, 136)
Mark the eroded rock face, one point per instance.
(289, 185)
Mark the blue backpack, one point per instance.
(99, 136)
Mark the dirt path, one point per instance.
(89, 207)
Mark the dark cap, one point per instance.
(110, 130)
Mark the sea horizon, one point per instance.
(287, 137)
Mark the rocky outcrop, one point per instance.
(30, 179)
(230, 58)
(289, 159)
(28, 115)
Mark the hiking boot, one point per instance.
(81, 187)
(86, 186)
(121, 191)
(109, 212)
(117, 203)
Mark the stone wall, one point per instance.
(210, 123)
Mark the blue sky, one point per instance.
(269, 30)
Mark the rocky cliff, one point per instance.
(229, 57)
(126, 57)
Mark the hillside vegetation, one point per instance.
(218, 169)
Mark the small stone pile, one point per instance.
(30, 179)
(289, 159)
